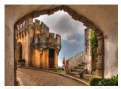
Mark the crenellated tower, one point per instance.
(39, 48)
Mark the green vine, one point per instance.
(94, 42)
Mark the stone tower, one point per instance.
(36, 45)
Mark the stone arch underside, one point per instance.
(79, 17)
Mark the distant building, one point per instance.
(36, 45)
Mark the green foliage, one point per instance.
(109, 82)
(94, 41)
(104, 82)
(61, 68)
(94, 81)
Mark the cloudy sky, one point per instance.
(71, 31)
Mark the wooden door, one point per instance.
(51, 58)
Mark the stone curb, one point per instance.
(71, 77)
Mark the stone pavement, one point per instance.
(28, 77)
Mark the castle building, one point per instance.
(36, 46)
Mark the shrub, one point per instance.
(109, 82)
(94, 81)
(114, 80)
(60, 68)
(104, 82)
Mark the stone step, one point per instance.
(94, 72)
(82, 64)
(75, 74)
(88, 76)
(78, 70)
(80, 67)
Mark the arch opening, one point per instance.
(99, 65)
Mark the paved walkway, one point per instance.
(30, 77)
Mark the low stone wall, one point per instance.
(74, 61)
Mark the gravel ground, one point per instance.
(30, 77)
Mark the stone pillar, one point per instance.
(29, 32)
(40, 59)
(56, 60)
(88, 52)
(27, 50)
(37, 58)
(23, 46)
(31, 35)
(47, 59)
(100, 55)
(44, 59)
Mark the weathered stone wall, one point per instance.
(94, 65)
(74, 61)
(10, 75)
(88, 52)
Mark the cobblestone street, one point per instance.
(30, 77)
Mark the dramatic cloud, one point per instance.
(71, 31)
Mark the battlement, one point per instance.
(43, 26)
(45, 41)
(41, 35)
(28, 23)
(40, 26)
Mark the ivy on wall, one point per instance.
(94, 42)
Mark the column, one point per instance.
(56, 60)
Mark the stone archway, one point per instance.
(75, 16)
